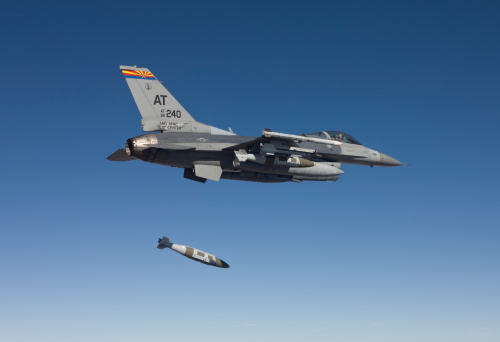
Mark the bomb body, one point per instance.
(192, 253)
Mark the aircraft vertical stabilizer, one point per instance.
(159, 109)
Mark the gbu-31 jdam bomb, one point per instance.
(192, 253)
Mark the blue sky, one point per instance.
(384, 254)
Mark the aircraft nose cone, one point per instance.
(386, 160)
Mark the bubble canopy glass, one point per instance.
(334, 135)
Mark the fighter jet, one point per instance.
(206, 152)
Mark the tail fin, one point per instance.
(159, 109)
(164, 243)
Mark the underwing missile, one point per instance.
(267, 133)
(192, 253)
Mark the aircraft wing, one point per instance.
(178, 147)
(290, 147)
(247, 144)
(271, 143)
(282, 143)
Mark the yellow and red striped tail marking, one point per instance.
(138, 74)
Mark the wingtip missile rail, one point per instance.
(192, 253)
(267, 133)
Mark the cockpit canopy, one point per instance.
(334, 135)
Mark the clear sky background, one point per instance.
(383, 255)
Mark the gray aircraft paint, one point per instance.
(206, 152)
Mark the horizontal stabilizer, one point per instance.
(120, 155)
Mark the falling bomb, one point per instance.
(192, 253)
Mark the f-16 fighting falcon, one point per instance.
(206, 152)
